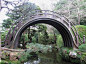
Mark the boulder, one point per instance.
(13, 56)
(73, 54)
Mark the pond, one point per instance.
(47, 58)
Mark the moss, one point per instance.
(84, 53)
(82, 47)
(7, 61)
(83, 58)
(58, 57)
(76, 60)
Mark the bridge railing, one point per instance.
(76, 35)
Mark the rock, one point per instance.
(5, 54)
(73, 54)
(79, 53)
(13, 56)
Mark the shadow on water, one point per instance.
(47, 58)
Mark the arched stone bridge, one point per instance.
(63, 25)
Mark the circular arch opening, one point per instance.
(65, 33)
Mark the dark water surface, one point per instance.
(47, 58)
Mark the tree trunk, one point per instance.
(29, 37)
(78, 19)
(78, 16)
(24, 41)
(54, 36)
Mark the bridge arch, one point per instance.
(62, 24)
(64, 30)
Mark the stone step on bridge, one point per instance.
(62, 24)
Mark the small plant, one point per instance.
(59, 41)
(82, 47)
(38, 47)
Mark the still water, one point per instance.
(47, 58)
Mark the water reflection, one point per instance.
(45, 61)
(33, 62)
(47, 58)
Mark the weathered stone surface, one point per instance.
(79, 53)
(73, 54)
(13, 55)
(5, 54)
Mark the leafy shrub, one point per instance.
(51, 39)
(59, 41)
(38, 47)
(3, 35)
(82, 47)
(81, 30)
(33, 39)
(24, 56)
(43, 37)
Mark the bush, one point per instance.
(3, 35)
(82, 47)
(43, 38)
(59, 41)
(81, 30)
(38, 47)
(51, 39)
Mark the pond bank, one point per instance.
(73, 55)
(65, 55)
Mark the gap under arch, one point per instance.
(65, 33)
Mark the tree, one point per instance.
(74, 10)
(7, 23)
(20, 12)
(10, 4)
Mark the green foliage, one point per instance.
(42, 34)
(71, 10)
(59, 41)
(7, 61)
(81, 30)
(3, 35)
(60, 4)
(83, 56)
(25, 36)
(75, 60)
(83, 21)
(23, 11)
(23, 57)
(51, 39)
(36, 37)
(7, 23)
(33, 39)
(14, 62)
(58, 57)
(82, 47)
(43, 37)
(38, 47)
(41, 27)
